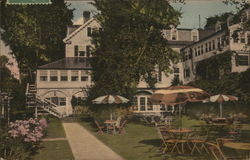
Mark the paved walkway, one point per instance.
(85, 146)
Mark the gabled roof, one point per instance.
(78, 30)
(72, 28)
(68, 63)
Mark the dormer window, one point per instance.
(195, 35)
(174, 34)
(218, 26)
(229, 20)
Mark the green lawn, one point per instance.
(141, 142)
(54, 150)
(55, 128)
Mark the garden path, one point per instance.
(85, 146)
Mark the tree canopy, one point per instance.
(131, 44)
(35, 32)
(11, 85)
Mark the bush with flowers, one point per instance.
(22, 138)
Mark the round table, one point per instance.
(180, 132)
(111, 123)
(239, 146)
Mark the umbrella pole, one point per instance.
(180, 120)
(221, 110)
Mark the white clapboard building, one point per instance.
(57, 82)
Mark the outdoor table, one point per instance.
(239, 146)
(181, 132)
(111, 123)
(219, 120)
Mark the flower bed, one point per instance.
(22, 138)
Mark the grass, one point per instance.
(55, 128)
(140, 142)
(54, 150)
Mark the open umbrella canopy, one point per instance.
(178, 95)
(220, 98)
(110, 99)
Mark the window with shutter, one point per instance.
(89, 32)
(88, 51)
(76, 51)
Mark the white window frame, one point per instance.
(43, 74)
(174, 30)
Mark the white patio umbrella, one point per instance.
(220, 98)
(110, 99)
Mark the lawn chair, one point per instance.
(216, 151)
(168, 143)
(218, 154)
(198, 142)
(100, 128)
(121, 128)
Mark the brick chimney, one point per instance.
(86, 16)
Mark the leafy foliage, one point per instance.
(21, 138)
(35, 32)
(212, 20)
(215, 67)
(11, 85)
(131, 44)
(236, 84)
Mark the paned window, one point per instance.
(242, 60)
(74, 75)
(43, 75)
(142, 103)
(84, 76)
(64, 75)
(53, 75)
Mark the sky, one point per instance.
(191, 10)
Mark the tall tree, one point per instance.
(35, 32)
(131, 44)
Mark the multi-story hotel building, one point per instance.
(57, 82)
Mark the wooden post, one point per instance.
(35, 112)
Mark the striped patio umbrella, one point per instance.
(110, 99)
(220, 98)
(178, 95)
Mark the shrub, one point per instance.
(22, 138)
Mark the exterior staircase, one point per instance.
(32, 100)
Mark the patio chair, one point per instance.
(198, 142)
(121, 128)
(215, 151)
(170, 144)
(218, 154)
(100, 128)
(168, 121)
